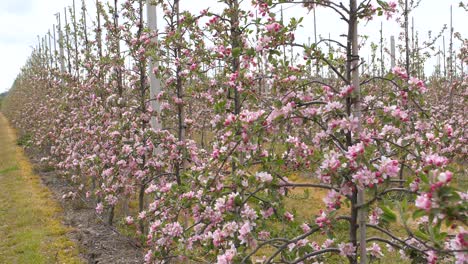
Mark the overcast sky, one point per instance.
(22, 20)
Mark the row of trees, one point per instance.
(210, 118)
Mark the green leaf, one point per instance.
(251, 52)
(279, 162)
(424, 178)
(275, 52)
(418, 213)
(388, 215)
(421, 235)
(404, 204)
(220, 106)
(238, 201)
(441, 236)
(236, 52)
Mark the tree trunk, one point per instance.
(180, 95)
(141, 206)
(235, 64)
(358, 213)
(110, 217)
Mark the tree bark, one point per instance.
(358, 213)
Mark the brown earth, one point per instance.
(99, 242)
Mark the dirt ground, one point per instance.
(99, 243)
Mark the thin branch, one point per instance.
(285, 245)
(315, 253)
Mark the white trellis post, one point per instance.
(392, 51)
(40, 50)
(50, 51)
(61, 54)
(67, 42)
(46, 58)
(75, 28)
(55, 46)
(155, 83)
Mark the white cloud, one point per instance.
(22, 20)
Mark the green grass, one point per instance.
(306, 204)
(24, 140)
(30, 226)
(13, 168)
